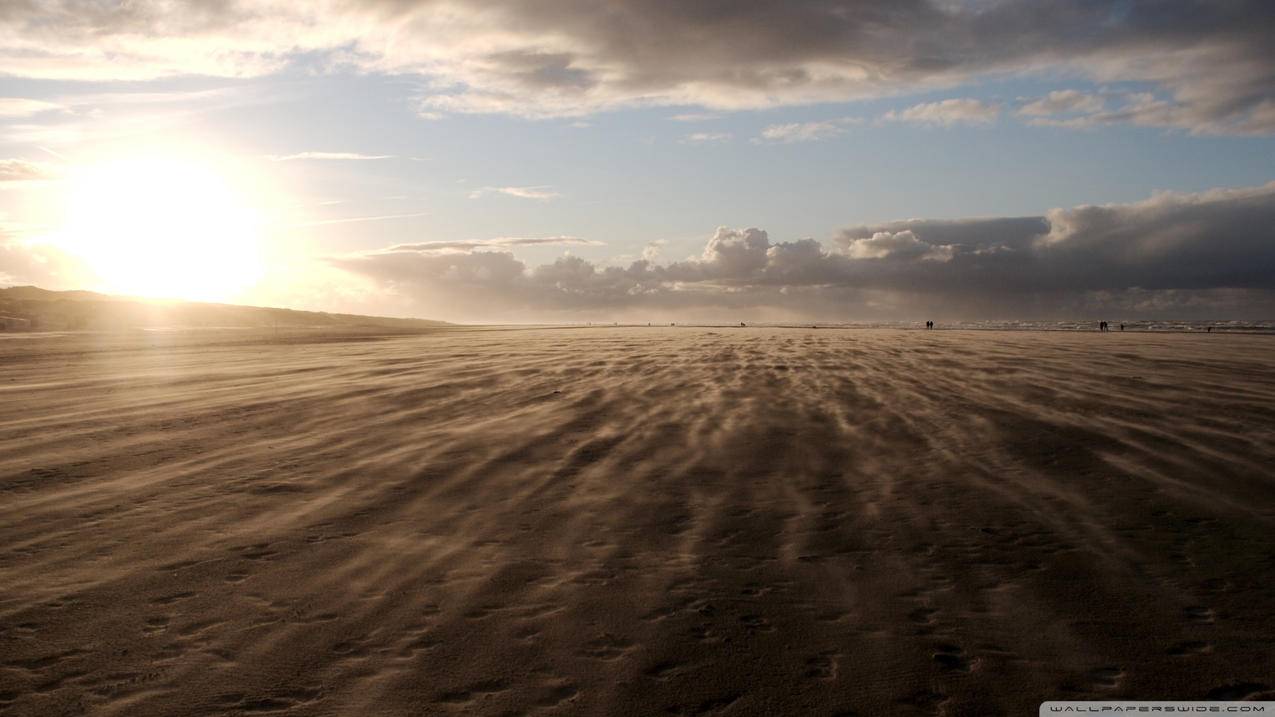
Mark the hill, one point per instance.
(29, 308)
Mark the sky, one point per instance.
(646, 160)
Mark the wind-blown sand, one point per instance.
(633, 521)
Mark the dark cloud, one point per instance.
(1179, 255)
(1205, 64)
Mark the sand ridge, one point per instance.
(633, 521)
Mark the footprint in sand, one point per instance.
(350, 649)
(1241, 691)
(705, 633)
(707, 707)
(926, 700)
(1190, 647)
(40, 664)
(1201, 615)
(823, 667)
(476, 691)
(923, 615)
(556, 695)
(756, 623)
(607, 647)
(276, 702)
(256, 551)
(667, 670)
(1106, 678)
(951, 658)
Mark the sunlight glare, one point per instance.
(163, 227)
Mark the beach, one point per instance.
(633, 521)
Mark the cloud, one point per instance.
(541, 193)
(652, 250)
(883, 244)
(23, 262)
(805, 131)
(1146, 109)
(21, 107)
(1172, 255)
(1208, 61)
(352, 156)
(21, 170)
(101, 116)
(946, 113)
(696, 117)
(472, 244)
(353, 220)
(706, 137)
(1063, 102)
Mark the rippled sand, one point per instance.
(633, 521)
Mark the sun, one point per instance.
(165, 227)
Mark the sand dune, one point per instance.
(29, 308)
(633, 521)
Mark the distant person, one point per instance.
(1208, 329)
(1122, 327)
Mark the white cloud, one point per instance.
(652, 250)
(21, 107)
(21, 170)
(1063, 102)
(696, 117)
(353, 220)
(340, 156)
(805, 131)
(706, 137)
(885, 244)
(465, 245)
(541, 193)
(946, 113)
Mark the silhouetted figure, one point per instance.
(1208, 329)
(741, 324)
(1122, 327)
(1102, 325)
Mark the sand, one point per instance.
(633, 521)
